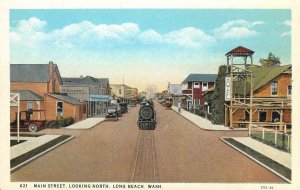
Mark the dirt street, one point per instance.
(177, 151)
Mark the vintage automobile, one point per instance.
(124, 107)
(132, 102)
(147, 117)
(112, 112)
(168, 103)
(28, 123)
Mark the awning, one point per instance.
(100, 98)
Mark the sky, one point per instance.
(146, 46)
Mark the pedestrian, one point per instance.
(179, 106)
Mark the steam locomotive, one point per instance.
(147, 116)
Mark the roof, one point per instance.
(32, 72)
(29, 73)
(261, 76)
(28, 95)
(88, 80)
(240, 50)
(201, 77)
(104, 82)
(65, 98)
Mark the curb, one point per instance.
(255, 160)
(204, 128)
(39, 155)
(85, 128)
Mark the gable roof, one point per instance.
(104, 82)
(240, 50)
(88, 80)
(201, 77)
(28, 95)
(31, 72)
(261, 76)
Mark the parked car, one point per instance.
(132, 102)
(119, 110)
(28, 123)
(112, 112)
(124, 107)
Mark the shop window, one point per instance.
(59, 108)
(274, 88)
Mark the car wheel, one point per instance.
(32, 127)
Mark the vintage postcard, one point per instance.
(149, 96)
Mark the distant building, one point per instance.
(193, 86)
(175, 89)
(123, 92)
(94, 92)
(39, 89)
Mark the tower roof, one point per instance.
(240, 50)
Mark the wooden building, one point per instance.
(257, 95)
(193, 86)
(39, 89)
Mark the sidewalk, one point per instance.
(30, 144)
(279, 156)
(202, 122)
(275, 160)
(87, 123)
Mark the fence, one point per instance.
(275, 138)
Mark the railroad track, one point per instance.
(145, 168)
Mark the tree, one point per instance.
(218, 97)
(272, 60)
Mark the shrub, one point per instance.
(53, 124)
(69, 121)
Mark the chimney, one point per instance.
(50, 68)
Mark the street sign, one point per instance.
(227, 89)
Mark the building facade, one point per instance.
(92, 92)
(123, 92)
(192, 88)
(36, 84)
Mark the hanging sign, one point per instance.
(227, 89)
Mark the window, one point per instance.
(189, 85)
(120, 91)
(275, 116)
(196, 101)
(29, 105)
(262, 116)
(274, 88)
(59, 108)
(289, 90)
(204, 86)
(196, 85)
